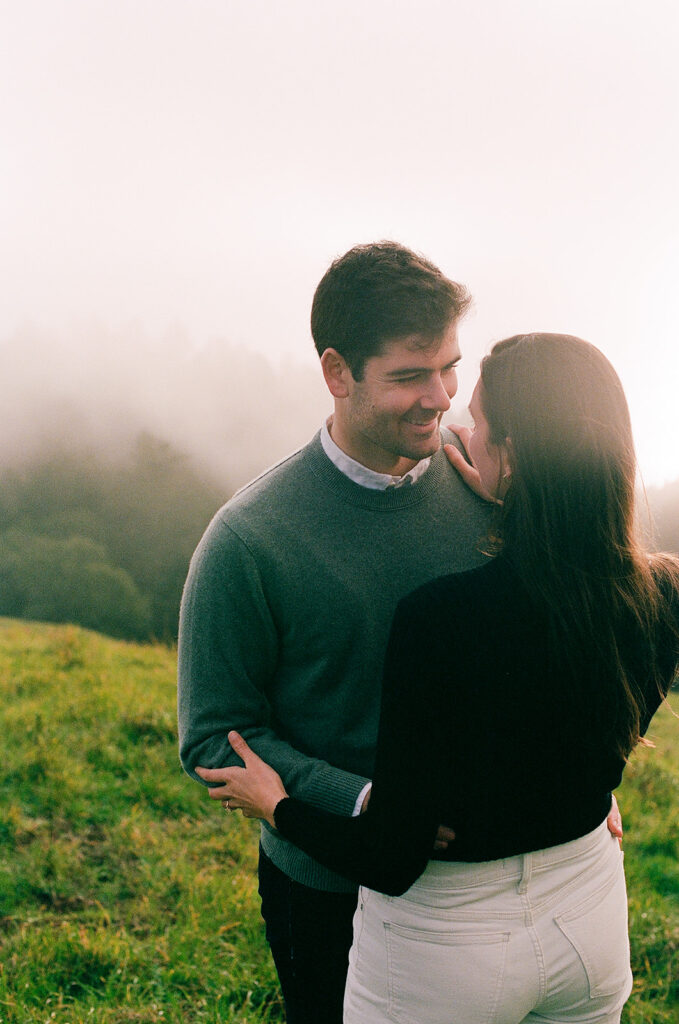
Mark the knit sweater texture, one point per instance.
(285, 619)
(481, 733)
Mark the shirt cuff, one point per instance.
(361, 797)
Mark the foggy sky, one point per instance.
(191, 168)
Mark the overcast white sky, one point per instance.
(200, 162)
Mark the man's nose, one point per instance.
(438, 395)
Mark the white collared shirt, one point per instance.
(365, 477)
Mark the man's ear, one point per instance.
(337, 374)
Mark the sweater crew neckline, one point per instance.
(355, 494)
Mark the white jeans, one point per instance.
(537, 938)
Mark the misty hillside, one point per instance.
(116, 450)
(231, 410)
(100, 541)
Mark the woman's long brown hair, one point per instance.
(568, 523)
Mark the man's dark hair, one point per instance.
(378, 292)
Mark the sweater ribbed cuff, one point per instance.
(299, 866)
(335, 790)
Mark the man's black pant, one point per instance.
(309, 933)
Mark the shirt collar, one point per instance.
(363, 476)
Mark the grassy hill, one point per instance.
(126, 895)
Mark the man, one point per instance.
(291, 592)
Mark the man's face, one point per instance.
(390, 419)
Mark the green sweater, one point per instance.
(285, 619)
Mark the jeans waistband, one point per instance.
(442, 874)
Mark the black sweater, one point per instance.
(477, 732)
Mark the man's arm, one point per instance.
(227, 657)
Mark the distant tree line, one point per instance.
(664, 506)
(106, 542)
(102, 543)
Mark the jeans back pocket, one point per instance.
(597, 930)
(438, 975)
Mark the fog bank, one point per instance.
(233, 411)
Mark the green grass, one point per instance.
(126, 895)
(649, 800)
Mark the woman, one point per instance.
(513, 696)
